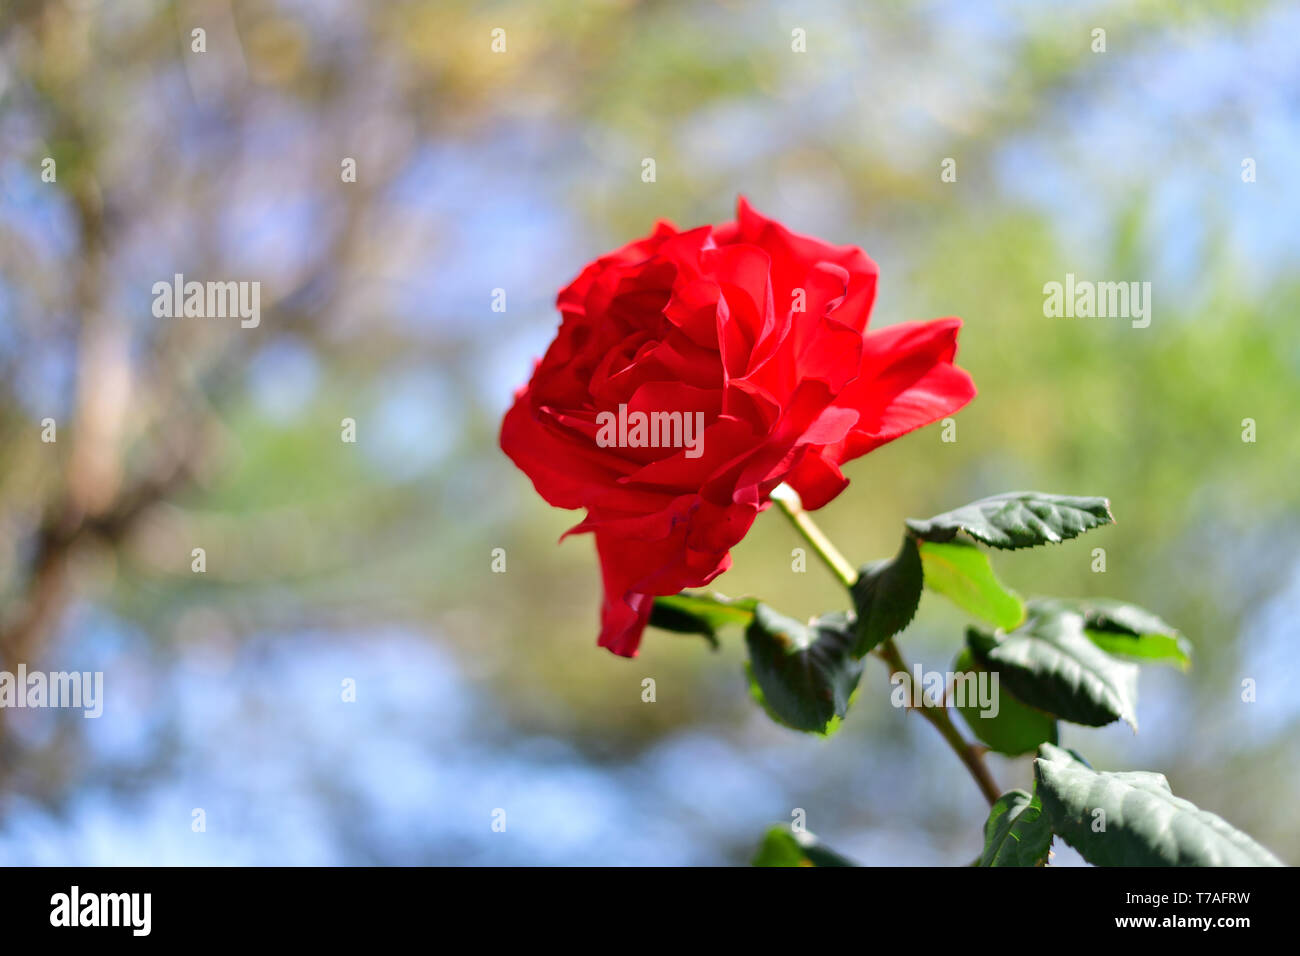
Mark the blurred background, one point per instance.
(370, 561)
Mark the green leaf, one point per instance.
(1015, 728)
(782, 847)
(1126, 629)
(885, 595)
(1050, 663)
(962, 573)
(1016, 833)
(701, 613)
(1141, 822)
(804, 675)
(1017, 519)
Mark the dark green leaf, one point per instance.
(961, 572)
(1133, 819)
(1017, 519)
(1014, 728)
(804, 675)
(701, 613)
(1050, 663)
(782, 847)
(1016, 834)
(1126, 629)
(885, 595)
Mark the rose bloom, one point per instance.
(761, 330)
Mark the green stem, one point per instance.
(787, 499)
(937, 714)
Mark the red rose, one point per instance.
(757, 334)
